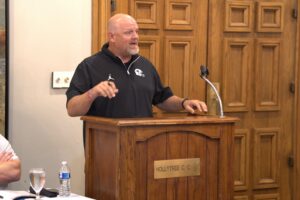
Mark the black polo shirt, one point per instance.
(138, 83)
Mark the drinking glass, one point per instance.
(37, 180)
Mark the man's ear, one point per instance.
(111, 36)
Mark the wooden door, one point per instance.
(249, 47)
(251, 53)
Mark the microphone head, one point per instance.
(203, 71)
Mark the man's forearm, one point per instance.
(10, 171)
(79, 105)
(175, 103)
(171, 104)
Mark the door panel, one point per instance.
(236, 74)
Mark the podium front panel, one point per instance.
(120, 160)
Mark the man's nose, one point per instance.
(135, 34)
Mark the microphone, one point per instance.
(203, 71)
(203, 74)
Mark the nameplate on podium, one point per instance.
(176, 168)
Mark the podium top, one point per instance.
(161, 120)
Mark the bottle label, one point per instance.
(64, 175)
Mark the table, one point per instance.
(12, 194)
(71, 197)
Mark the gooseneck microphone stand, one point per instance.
(203, 74)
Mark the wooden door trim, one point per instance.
(100, 16)
(296, 143)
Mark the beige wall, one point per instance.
(46, 36)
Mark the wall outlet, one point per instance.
(61, 79)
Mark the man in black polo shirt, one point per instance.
(118, 82)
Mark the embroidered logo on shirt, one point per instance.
(110, 78)
(139, 72)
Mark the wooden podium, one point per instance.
(160, 158)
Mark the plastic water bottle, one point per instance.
(64, 179)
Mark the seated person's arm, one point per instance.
(10, 170)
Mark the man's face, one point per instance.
(125, 37)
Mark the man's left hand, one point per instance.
(193, 105)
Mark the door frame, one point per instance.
(297, 116)
(100, 17)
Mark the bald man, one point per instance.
(118, 82)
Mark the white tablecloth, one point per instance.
(71, 197)
(11, 194)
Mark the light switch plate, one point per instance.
(61, 79)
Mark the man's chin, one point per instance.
(134, 51)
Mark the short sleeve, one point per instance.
(80, 82)
(6, 147)
(161, 93)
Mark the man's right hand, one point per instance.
(80, 104)
(105, 89)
